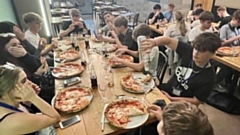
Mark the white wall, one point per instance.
(145, 7)
(228, 3)
(6, 11)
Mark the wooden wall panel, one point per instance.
(207, 4)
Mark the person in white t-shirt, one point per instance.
(206, 18)
(34, 24)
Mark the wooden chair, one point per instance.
(135, 21)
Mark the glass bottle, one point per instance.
(93, 78)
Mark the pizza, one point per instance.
(72, 99)
(66, 70)
(119, 112)
(228, 51)
(124, 57)
(68, 55)
(130, 84)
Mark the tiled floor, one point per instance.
(223, 123)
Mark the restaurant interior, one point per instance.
(120, 67)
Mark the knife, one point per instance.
(103, 117)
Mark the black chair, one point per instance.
(135, 21)
(102, 21)
(162, 66)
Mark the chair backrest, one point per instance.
(102, 21)
(135, 19)
(162, 66)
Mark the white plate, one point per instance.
(138, 76)
(136, 121)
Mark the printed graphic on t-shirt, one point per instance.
(183, 75)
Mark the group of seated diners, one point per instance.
(25, 60)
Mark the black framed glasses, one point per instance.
(7, 35)
(9, 66)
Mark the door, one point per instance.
(206, 4)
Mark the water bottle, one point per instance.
(144, 57)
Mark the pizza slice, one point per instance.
(120, 112)
(130, 84)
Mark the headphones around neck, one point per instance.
(231, 27)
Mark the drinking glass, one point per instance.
(111, 81)
(102, 88)
(106, 67)
(146, 89)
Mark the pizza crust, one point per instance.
(72, 99)
(118, 113)
(125, 57)
(66, 70)
(129, 84)
(67, 56)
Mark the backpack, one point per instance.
(225, 102)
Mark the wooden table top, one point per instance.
(160, 30)
(90, 117)
(233, 62)
(215, 25)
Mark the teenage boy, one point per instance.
(196, 15)
(230, 35)
(108, 18)
(75, 25)
(169, 13)
(140, 30)
(181, 118)
(224, 17)
(124, 36)
(194, 76)
(154, 17)
(206, 18)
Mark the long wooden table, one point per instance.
(91, 116)
(160, 30)
(233, 62)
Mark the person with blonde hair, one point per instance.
(15, 116)
(179, 31)
(34, 24)
(181, 118)
(76, 25)
(223, 15)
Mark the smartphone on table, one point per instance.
(69, 122)
(71, 81)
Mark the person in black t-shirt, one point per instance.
(156, 15)
(224, 17)
(194, 76)
(73, 26)
(121, 35)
